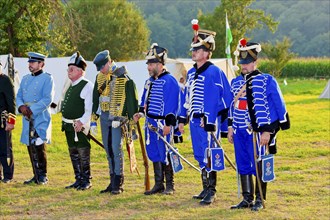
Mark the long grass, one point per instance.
(300, 191)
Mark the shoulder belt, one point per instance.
(239, 94)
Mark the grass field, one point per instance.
(301, 189)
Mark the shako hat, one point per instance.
(156, 54)
(247, 52)
(101, 59)
(203, 39)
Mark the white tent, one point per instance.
(179, 67)
(137, 70)
(326, 92)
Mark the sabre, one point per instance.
(227, 158)
(32, 145)
(94, 138)
(154, 129)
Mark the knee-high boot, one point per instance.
(203, 193)
(159, 179)
(85, 168)
(247, 192)
(34, 161)
(42, 164)
(211, 189)
(75, 160)
(169, 179)
(258, 203)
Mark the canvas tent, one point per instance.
(137, 70)
(326, 92)
(179, 67)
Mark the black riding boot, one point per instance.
(202, 194)
(247, 191)
(75, 160)
(85, 168)
(117, 186)
(110, 186)
(210, 196)
(159, 179)
(33, 159)
(169, 179)
(42, 164)
(258, 203)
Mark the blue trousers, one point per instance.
(113, 144)
(243, 144)
(201, 140)
(155, 146)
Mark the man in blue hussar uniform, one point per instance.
(207, 101)
(258, 106)
(7, 124)
(33, 100)
(162, 105)
(76, 113)
(115, 101)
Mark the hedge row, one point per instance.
(302, 67)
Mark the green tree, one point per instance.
(279, 55)
(309, 31)
(242, 20)
(25, 26)
(115, 25)
(169, 22)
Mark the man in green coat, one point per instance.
(76, 114)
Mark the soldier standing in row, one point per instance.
(258, 107)
(7, 124)
(207, 101)
(76, 114)
(115, 101)
(162, 102)
(34, 97)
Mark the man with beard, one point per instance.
(162, 102)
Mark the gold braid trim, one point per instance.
(117, 97)
(101, 78)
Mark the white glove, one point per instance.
(93, 128)
(115, 124)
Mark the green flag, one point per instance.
(229, 38)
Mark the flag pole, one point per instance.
(229, 39)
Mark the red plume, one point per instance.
(242, 42)
(195, 27)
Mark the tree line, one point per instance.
(127, 28)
